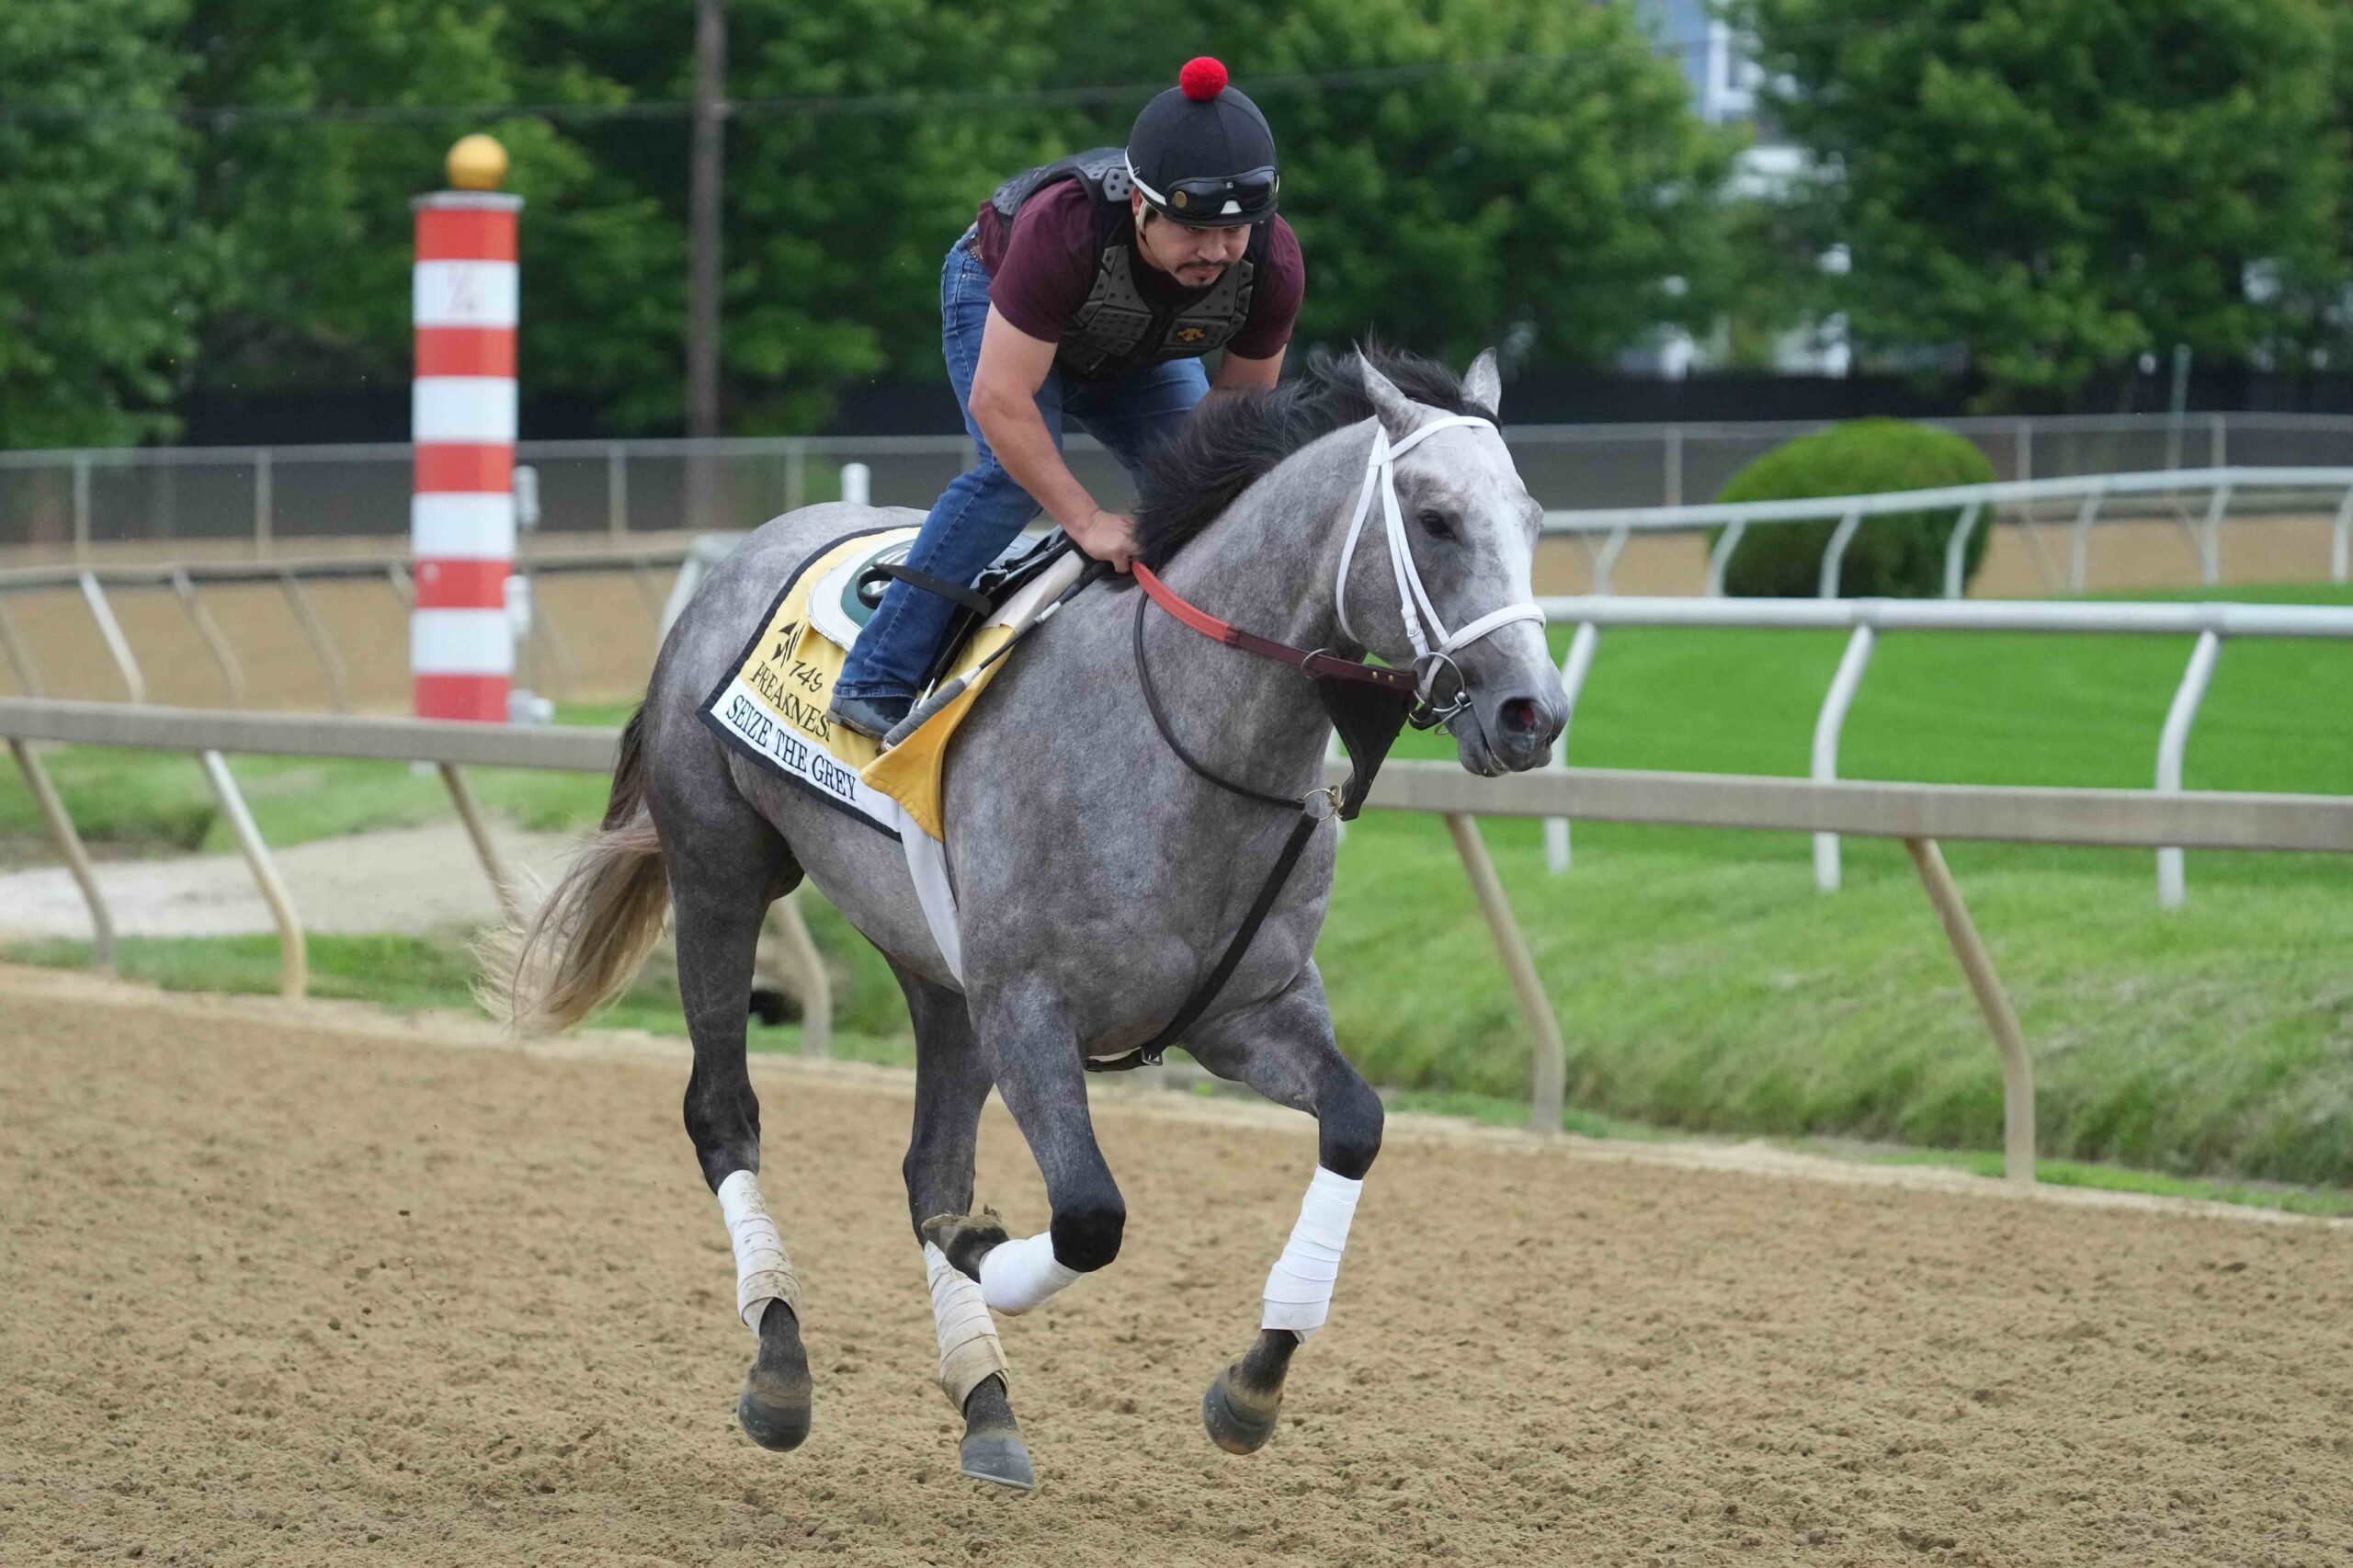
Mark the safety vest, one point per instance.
(1116, 328)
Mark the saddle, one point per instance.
(1003, 577)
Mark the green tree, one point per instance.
(2059, 186)
(306, 221)
(1495, 164)
(96, 285)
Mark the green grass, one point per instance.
(1701, 983)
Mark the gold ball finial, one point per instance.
(477, 162)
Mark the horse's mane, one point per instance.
(1232, 441)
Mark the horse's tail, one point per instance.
(589, 939)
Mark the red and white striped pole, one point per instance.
(461, 418)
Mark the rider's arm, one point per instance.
(1012, 367)
(1236, 374)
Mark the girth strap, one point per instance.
(1148, 1054)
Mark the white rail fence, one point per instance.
(1866, 619)
(1981, 505)
(277, 494)
(1919, 814)
(188, 581)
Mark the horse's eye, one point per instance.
(1436, 523)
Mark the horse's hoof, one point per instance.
(781, 1425)
(999, 1457)
(772, 1007)
(966, 1238)
(774, 1408)
(1240, 1419)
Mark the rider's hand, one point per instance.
(1108, 537)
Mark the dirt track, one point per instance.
(309, 1287)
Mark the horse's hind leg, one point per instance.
(951, 1084)
(726, 864)
(1285, 1051)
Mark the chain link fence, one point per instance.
(56, 503)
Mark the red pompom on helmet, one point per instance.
(1201, 153)
(1202, 78)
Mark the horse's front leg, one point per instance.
(1033, 1054)
(1285, 1049)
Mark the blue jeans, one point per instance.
(984, 508)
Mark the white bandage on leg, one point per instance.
(1299, 1288)
(1018, 1276)
(970, 1351)
(762, 1272)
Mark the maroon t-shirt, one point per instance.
(1040, 272)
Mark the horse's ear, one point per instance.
(1398, 414)
(1484, 382)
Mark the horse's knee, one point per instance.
(1086, 1235)
(1348, 1122)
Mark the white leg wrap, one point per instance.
(762, 1272)
(1299, 1288)
(1018, 1276)
(970, 1351)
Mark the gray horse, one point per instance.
(1368, 507)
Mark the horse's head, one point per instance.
(1458, 606)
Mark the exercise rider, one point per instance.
(1089, 289)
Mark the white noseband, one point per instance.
(1432, 643)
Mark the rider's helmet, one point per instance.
(1202, 154)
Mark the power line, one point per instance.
(219, 117)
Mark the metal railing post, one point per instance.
(1573, 669)
(1720, 558)
(111, 630)
(19, 657)
(1548, 1077)
(1826, 725)
(815, 985)
(81, 505)
(216, 641)
(2079, 561)
(264, 520)
(294, 964)
(69, 844)
(616, 491)
(2340, 542)
(1835, 556)
(2018, 1067)
(322, 643)
(2172, 745)
(2209, 542)
(1607, 562)
(1957, 549)
(477, 826)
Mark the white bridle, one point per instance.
(1432, 643)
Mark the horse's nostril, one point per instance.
(1521, 717)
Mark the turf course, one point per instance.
(1701, 983)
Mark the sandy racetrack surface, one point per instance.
(301, 1288)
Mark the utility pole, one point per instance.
(706, 182)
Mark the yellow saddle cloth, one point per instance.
(773, 706)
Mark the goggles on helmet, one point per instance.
(1216, 201)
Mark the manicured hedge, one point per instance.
(1898, 556)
